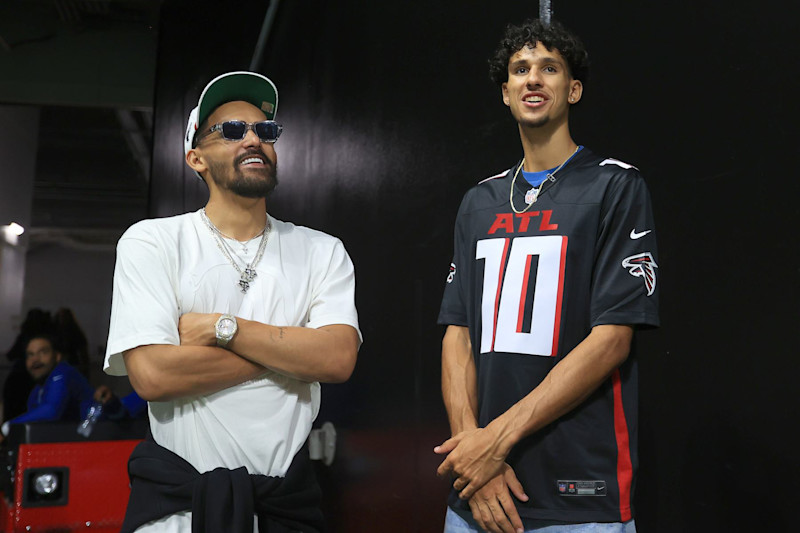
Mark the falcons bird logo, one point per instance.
(642, 265)
(451, 276)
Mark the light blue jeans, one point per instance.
(464, 523)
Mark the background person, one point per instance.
(60, 391)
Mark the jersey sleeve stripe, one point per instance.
(624, 465)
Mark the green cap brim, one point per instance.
(246, 86)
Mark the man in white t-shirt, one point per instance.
(226, 320)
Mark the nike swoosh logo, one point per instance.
(635, 235)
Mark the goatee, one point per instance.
(253, 183)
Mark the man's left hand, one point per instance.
(473, 459)
(103, 394)
(197, 329)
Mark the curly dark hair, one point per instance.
(534, 31)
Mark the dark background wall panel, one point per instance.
(390, 117)
(200, 40)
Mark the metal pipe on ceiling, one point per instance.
(545, 11)
(266, 27)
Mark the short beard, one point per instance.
(245, 186)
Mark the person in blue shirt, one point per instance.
(61, 392)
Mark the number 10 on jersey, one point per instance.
(515, 316)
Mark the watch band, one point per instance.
(224, 329)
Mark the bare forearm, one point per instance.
(459, 382)
(327, 354)
(161, 372)
(568, 385)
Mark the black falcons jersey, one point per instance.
(530, 286)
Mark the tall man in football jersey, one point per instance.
(554, 268)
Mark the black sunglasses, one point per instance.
(235, 130)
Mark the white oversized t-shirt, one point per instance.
(171, 266)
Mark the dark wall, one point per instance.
(389, 118)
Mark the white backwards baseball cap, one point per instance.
(249, 87)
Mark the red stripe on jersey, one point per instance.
(524, 294)
(624, 465)
(499, 289)
(557, 325)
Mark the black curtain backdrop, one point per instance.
(390, 117)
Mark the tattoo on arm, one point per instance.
(281, 333)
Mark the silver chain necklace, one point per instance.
(243, 244)
(248, 274)
(534, 192)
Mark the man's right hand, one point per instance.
(198, 329)
(492, 506)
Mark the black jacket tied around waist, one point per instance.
(221, 500)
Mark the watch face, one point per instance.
(226, 327)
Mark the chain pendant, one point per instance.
(249, 274)
(244, 285)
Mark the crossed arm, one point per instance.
(161, 372)
(476, 456)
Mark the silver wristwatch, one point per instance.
(225, 328)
